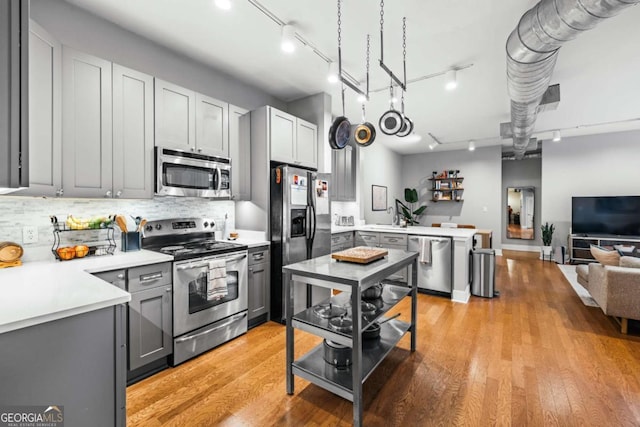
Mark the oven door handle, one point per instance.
(215, 328)
(206, 264)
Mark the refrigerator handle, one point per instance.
(313, 217)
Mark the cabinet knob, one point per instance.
(120, 276)
(59, 192)
(119, 193)
(167, 290)
(199, 150)
(108, 193)
(193, 149)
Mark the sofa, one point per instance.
(616, 289)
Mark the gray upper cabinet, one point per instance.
(132, 133)
(45, 105)
(86, 125)
(240, 152)
(293, 140)
(306, 143)
(190, 121)
(344, 173)
(212, 118)
(14, 94)
(175, 116)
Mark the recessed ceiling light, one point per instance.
(472, 145)
(223, 4)
(556, 136)
(288, 39)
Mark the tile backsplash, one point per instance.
(19, 211)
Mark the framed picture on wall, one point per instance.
(378, 198)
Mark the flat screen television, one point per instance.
(606, 215)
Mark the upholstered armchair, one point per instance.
(616, 289)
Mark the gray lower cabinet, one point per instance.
(77, 363)
(341, 241)
(259, 285)
(149, 325)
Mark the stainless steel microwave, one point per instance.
(184, 173)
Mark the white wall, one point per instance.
(377, 165)
(482, 197)
(81, 30)
(593, 165)
(523, 173)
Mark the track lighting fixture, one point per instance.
(288, 40)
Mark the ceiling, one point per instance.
(597, 72)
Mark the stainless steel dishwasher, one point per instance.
(434, 267)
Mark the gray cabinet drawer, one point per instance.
(149, 276)
(366, 239)
(258, 255)
(387, 239)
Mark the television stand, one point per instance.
(579, 246)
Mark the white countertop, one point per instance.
(456, 233)
(43, 291)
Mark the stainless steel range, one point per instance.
(210, 289)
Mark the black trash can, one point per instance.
(483, 270)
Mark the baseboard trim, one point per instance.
(521, 248)
(461, 296)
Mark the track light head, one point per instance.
(451, 80)
(472, 145)
(288, 39)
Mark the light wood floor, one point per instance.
(535, 356)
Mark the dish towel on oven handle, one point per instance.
(425, 250)
(217, 281)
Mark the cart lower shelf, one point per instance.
(315, 369)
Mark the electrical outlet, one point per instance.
(29, 234)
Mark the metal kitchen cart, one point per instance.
(353, 279)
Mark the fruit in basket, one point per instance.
(66, 253)
(76, 223)
(81, 250)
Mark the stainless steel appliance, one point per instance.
(202, 320)
(300, 224)
(183, 173)
(435, 268)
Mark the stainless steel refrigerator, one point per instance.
(300, 227)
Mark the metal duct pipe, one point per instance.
(532, 49)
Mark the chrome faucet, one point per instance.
(394, 217)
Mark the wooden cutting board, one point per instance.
(360, 254)
(10, 252)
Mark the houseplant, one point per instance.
(547, 236)
(410, 215)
